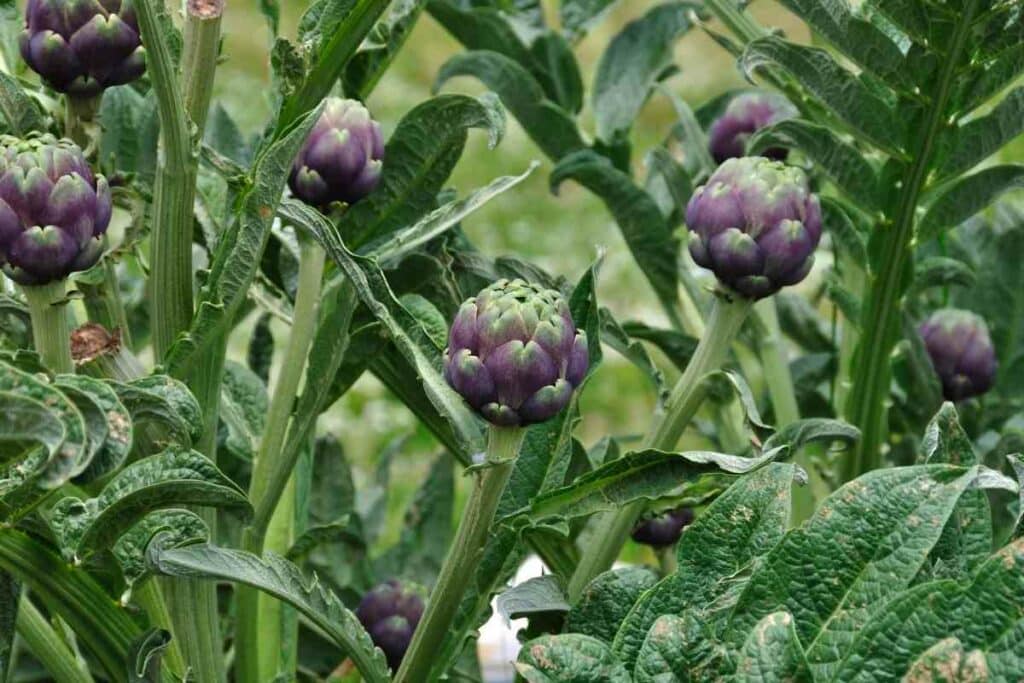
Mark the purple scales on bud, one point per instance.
(53, 210)
(515, 355)
(390, 613)
(755, 224)
(961, 351)
(663, 530)
(745, 115)
(341, 159)
(81, 47)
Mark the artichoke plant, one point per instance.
(663, 530)
(81, 47)
(390, 613)
(745, 115)
(961, 352)
(514, 353)
(755, 224)
(53, 210)
(342, 158)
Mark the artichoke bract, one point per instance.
(514, 353)
(755, 224)
(53, 210)
(663, 530)
(342, 157)
(390, 613)
(81, 47)
(745, 115)
(961, 352)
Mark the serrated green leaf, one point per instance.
(547, 124)
(539, 595)
(644, 228)
(967, 196)
(182, 527)
(148, 407)
(987, 77)
(798, 434)
(843, 163)
(569, 657)
(632, 63)
(20, 110)
(983, 615)
(642, 475)
(772, 652)
(973, 142)
(846, 96)
(606, 601)
(282, 580)
(741, 525)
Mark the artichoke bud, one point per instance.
(53, 210)
(755, 224)
(961, 352)
(662, 531)
(514, 353)
(341, 159)
(390, 613)
(745, 115)
(81, 47)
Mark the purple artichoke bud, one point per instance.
(81, 47)
(341, 159)
(961, 351)
(53, 210)
(664, 529)
(755, 224)
(390, 613)
(515, 354)
(745, 115)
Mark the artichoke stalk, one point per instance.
(514, 354)
(961, 352)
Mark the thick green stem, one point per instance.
(260, 619)
(736, 20)
(103, 302)
(48, 647)
(51, 331)
(202, 40)
(463, 556)
(612, 528)
(80, 121)
(866, 408)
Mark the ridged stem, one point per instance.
(464, 555)
(48, 647)
(202, 41)
(612, 529)
(51, 331)
(260, 617)
(866, 408)
(103, 302)
(150, 598)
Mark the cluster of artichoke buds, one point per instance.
(390, 613)
(341, 159)
(745, 115)
(514, 353)
(961, 352)
(53, 210)
(662, 531)
(755, 224)
(81, 47)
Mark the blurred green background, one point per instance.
(561, 233)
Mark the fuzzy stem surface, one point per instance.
(51, 330)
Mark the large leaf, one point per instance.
(18, 108)
(633, 62)
(579, 15)
(381, 47)
(547, 124)
(24, 421)
(607, 600)
(973, 142)
(644, 228)
(111, 432)
(846, 96)
(676, 648)
(742, 524)
(983, 615)
(967, 196)
(772, 652)
(644, 475)
(237, 258)
(865, 542)
(569, 657)
(282, 580)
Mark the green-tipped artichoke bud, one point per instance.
(341, 159)
(514, 353)
(53, 210)
(81, 47)
(745, 115)
(755, 224)
(961, 351)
